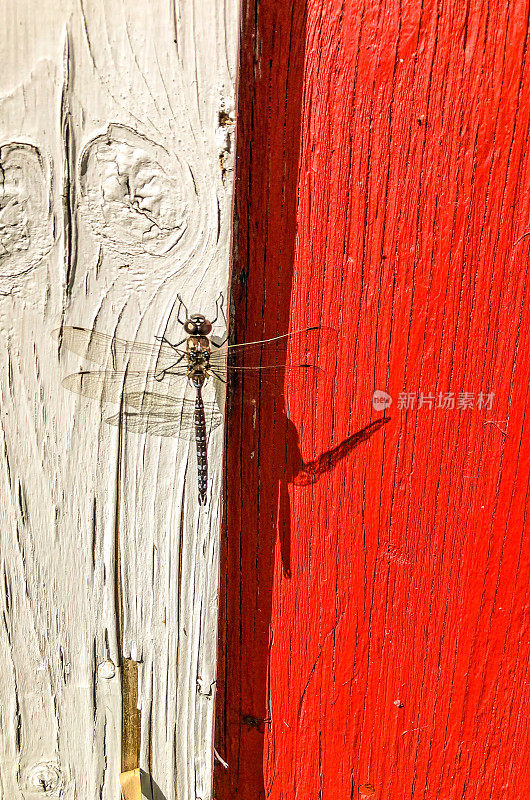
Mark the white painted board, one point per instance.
(116, 154)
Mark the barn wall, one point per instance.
(374, 609)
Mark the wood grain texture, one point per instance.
(116, 153)
(374, 616)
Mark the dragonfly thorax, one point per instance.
(198, 356)
(198, 344)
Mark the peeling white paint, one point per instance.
(116, 155)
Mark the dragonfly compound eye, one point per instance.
(191, 327)
(205, 327)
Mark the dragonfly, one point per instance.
(149, 381)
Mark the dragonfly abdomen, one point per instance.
(200, 440)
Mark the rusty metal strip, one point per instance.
(130, 717)
(131, 785)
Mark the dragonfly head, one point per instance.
(197, 325)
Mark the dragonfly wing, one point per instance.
(151, 402)
(161, 415)
(266, 373)
(100, 348)
(263, 367)
(107, 386)
(298, 349)
(139, 422)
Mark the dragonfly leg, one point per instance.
(219, 303)
(182, 305)
(219, 377)
(220, 344)
(179, 359)
(167, 370)
(166, 341)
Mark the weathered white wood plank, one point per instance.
(116, 136)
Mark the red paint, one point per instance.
(374, 615)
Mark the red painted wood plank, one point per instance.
(374, 614)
